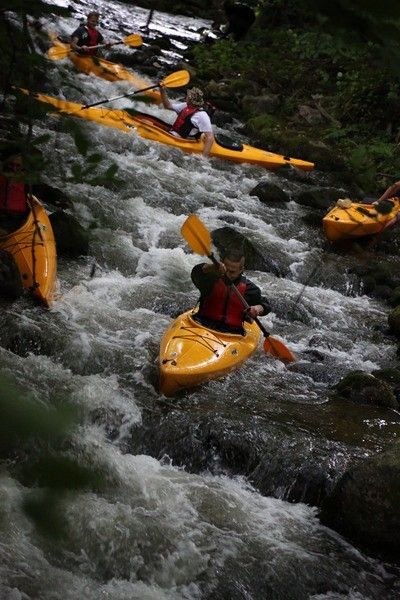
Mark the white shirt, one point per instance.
(200, 119)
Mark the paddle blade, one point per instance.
(135, 40)
(278, 349)
(176, 79)
(197, 235)
(58, 52)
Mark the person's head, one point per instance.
(11, 159)
(194, 97)
(93, 19)
(234, 263)
(13, 163)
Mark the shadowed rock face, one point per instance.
(365, 503)
(10, 280)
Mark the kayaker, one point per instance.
(192, 121)
(220, 308)
(13, 197)
(88, 35)
(391, 192)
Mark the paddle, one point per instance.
(177, 79)
(58, 52)
(199, 239)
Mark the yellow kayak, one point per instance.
(191, 354)
(34, 251)
(152, 128)
(107, 70)
(353, 219)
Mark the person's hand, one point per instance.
(255, 311)
(221, 269)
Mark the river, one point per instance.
(172, 520)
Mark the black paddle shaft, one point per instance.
(150, 87)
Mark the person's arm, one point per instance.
(208, 138)
(259, 306)
(74, 44)
(390, 192)
(164, 98)
(204, 275)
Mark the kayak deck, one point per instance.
(34, 251)
(152, 128)
(356, 220)
(191, 354)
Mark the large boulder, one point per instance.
(319, 197)
(363, 388)
(269, 193)
(51, 195)
(227, 237)
(365, 503)
(71, 238)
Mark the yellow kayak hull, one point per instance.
(34, 251)
(151, 128)
(356, 221)
(94, 65)
(191, 354)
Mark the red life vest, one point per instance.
(93, 40)
(183, 124)
(12, 196)
(223, 305)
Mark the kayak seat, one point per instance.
(229, 144)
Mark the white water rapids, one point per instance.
(159, 532)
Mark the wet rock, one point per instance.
(391, 377)
(394, 299)
(319, 197)
(364, 504)
(10, 280)
(279, 463)
(227, 237)
(313, 219)
(378, 276)
(269, 193)
(71, 238)
(51, 195)
(363, 388)
(394, 321)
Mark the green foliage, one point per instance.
(37, 433)
(304, 54)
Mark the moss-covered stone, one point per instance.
(394, 321)
(364, 505)
(363, 388)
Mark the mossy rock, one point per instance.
(363, 388)
(364, 505)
